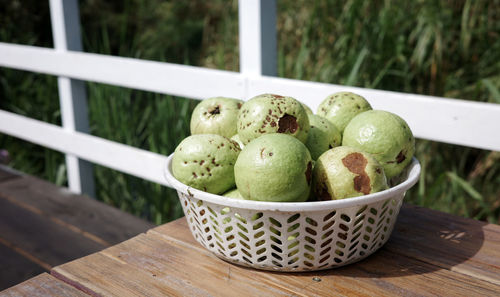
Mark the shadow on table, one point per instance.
(423, 241)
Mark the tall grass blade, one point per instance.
(465, 186)
(353, 76)
(495, 93)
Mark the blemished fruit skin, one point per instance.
(339, 108)
(206, 162)
(217, 115)
(307, 109)
(384, 135)
(234, 193)
(345, 172)
(270, 113)
(322, 136)
(236, 138)
(274, 167)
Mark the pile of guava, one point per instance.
(273, 148)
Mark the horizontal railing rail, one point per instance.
(121, 157)
(166, 78)
(453, 121)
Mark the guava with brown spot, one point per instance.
(217, 115)
(345, 172)
(206, 162)
(274, 167)
(322, 136)
(339, 108)
(236, 138)
(270, 113)
(385, 135)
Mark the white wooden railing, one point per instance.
(453, 121)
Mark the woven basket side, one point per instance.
(291, 241)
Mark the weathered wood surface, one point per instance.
(430, 253)
(43, 285)
(42, 226)
(16, 267)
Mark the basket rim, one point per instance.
(412, 178)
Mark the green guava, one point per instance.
(384, 135)
(340, 108)
(345, 172)
(274, 167)
(218, 115)
(269, 113)
(234, 193)
(322, 136)
(307, 109)
(206, 162)
(236, 138)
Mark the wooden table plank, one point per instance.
(42, 285)
(100, 275)
(15, 267)
(167, 260)
(451, 242)
(7, 173)
(45, 241)
(392, 270)
(447, 241)
(92, 218)
(42, 225)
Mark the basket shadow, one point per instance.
(422, 241)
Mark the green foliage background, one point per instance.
(443, 48)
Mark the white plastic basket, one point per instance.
(302, 236)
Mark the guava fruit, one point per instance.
(322, 136)
(345, 172)
(217, 115)
(307, 109)
(236, 138)
(269, 113)
(206, 162)
(339, 108)
(274, 167)
(384, 135)
(234, 193)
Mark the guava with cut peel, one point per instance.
(345, 172)
(274, 167)
(385, 135)
(270, 113)
(217, 115)
(206, 162)
(339, 108)
(322, 136)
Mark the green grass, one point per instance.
(145, 120)
(442, 48)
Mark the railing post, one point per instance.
(66, 34)
(257, 37)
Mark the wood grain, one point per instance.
(43, 239)
(450, 242)
(96, 220)
(42, 285)
(15, 268)
(42, 225)
(396, 272)
(167, 260)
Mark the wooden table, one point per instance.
(43, 226)
(429, 253)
